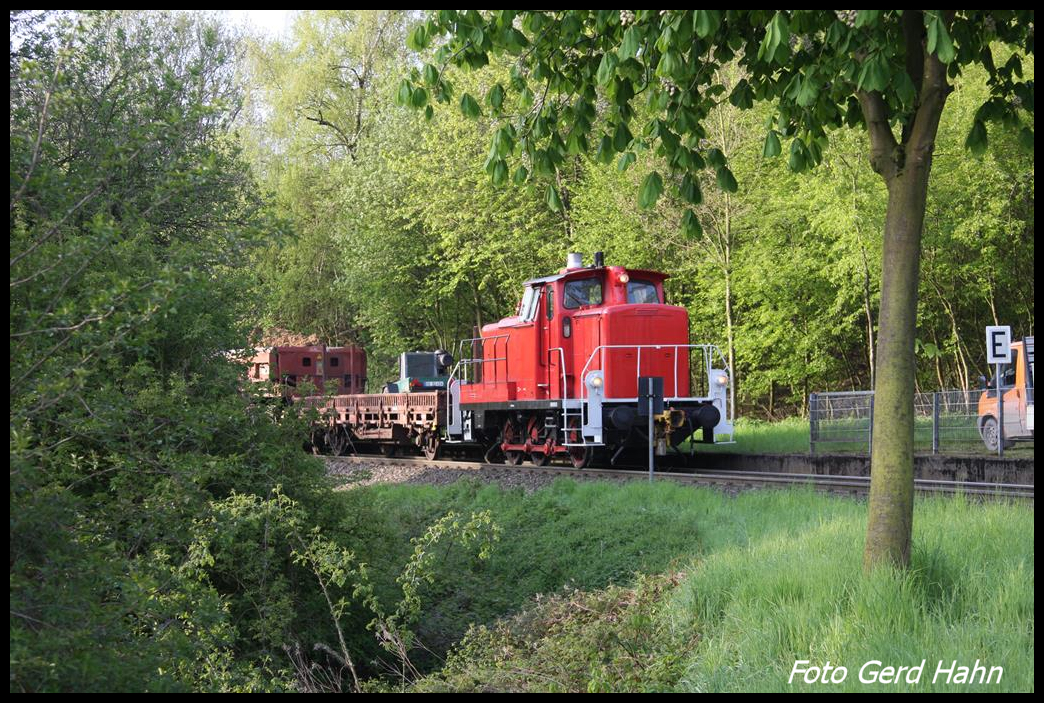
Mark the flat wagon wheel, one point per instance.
(580, 456)
(389, 450)
(431, 446)
(316, 442)
(337, 440)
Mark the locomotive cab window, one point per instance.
(335, 361)
(530, 303)
(642, 292)
(586, 291)
(550, 302)
(306, 361)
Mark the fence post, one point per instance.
(812, 428)
(870, 442)
(935, 422)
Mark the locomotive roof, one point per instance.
(563, 274)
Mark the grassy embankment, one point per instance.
(746, 586)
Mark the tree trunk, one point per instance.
(905, 165)
(890, 523)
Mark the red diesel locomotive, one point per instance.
(562, 376)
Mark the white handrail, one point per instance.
(708, 359)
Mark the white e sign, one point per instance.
(998, 344)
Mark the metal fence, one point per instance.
(943, 420)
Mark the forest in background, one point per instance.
(177, 187)
(400, 238)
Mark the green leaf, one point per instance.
(500, 172)
(622, 137)
(652, 187)
(689, 190)
(798, 160)
(774, 45)
(625, 161)
(669, 63)
(469, 106)
(629, 45)
(706, 22)
(404, 94)
(808, 92)
(726, 181)
(772, 146)
(977, 139)
(742, 95)
(605, 150)
(417, 39)
(495, 97)
(939, 42)
(606, 68)
(691, 225)
(521, 174)
(553, 200)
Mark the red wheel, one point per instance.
(511, 435)
(539, 458)
(581, 456)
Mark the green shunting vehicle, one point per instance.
(421, 371)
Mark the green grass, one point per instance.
(752, 584)
(799, 594)
(791, 436)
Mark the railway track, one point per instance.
(853, 485)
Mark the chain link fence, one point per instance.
(943, 421)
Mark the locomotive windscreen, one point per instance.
(418, 365)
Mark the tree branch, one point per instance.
(883, 146)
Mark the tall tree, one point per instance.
(887, 72)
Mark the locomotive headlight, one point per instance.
(596, 381)
(624, 278)
(723, 380)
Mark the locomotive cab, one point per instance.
(561, 375)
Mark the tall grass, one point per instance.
(767, 578)
(800, 594)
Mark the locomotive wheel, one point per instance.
(580, 456)
(511, 435)
(431, 447)
(539, 458)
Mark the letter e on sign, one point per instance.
(998, 344)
